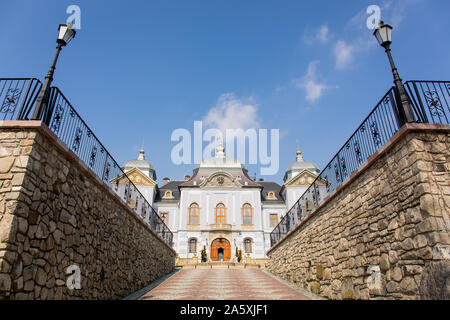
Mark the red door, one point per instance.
(223, 244)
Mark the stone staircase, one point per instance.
(222, 265)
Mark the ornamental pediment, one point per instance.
(136, 176)
(304, 178)
(221, 180)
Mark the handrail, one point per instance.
(431, 103)
(62, 118)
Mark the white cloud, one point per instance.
(344, 54)
(233, 113)
(322, 34)
(310, 83)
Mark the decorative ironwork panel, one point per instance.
(430, 100)
(17, 96)
(374, 131)
(66, 123)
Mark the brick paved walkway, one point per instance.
(222, 284)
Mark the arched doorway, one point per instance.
(220, 250)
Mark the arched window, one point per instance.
(247, 214)
(194, 214)
(220, 214)
(248, 245)
(271, 195)
(192, 245)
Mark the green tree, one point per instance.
(204, 254)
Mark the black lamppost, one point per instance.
(384, 36)
(65, 34)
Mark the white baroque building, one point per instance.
(220, 208)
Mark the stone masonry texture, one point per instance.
(392, 219)
(55, 213)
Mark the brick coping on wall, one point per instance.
(407, 128)
(50, 135)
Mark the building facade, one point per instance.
(220, 209)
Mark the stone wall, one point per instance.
(55, 212)
(384, 234)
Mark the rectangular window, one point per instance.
(273, 219)
(164, 217)
(194, 214)
(192, 245)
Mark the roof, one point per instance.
(200, 174)
(270, 186)
(142, 164)
(221, 161)
(299, 165)
(172, 186)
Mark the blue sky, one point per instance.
(137, 70)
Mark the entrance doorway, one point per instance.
(220, 250)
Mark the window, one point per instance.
(194, 214)
(220, 213)
(193, 245)
(247, 214)
(273, 219)
(164, 217)
(168, 194)
(248, 245)
(271, 195)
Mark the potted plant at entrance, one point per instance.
(204, 254)
(238, 255)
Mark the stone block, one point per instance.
(408, 286)
(6, 164)
(5, 282)
(319, 271)
(314, 287)
(384, 263)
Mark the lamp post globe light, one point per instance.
(65, 34)
(384, 36)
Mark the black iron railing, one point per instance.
(432, 99)
(430, 104)
(19, 96)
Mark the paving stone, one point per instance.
(223, 284)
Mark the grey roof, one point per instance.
(196, 179)
(303, 165)
(172, 186)
(298, 166)
(140, 163)
(270, 186)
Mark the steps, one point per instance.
(222, 265)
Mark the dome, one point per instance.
(221, 161)
(298, 166)
(141, 164)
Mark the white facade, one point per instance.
(220, 208)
